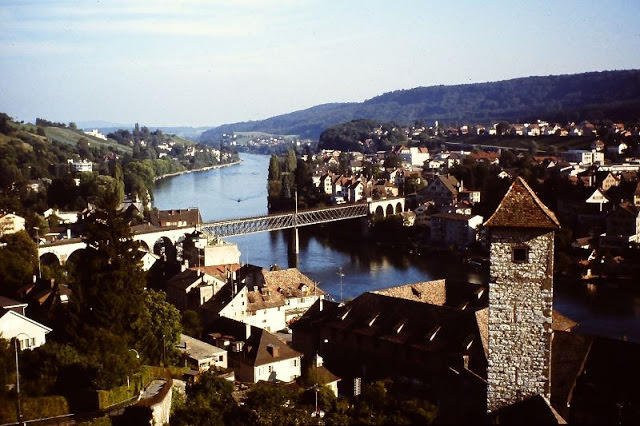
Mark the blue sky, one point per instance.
(204, 63)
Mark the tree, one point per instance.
(18, 261)
(274, 168)
(158, 329)
(191, 323)
(291, 161)
(108, 303)
(210, 402)
(392, 160)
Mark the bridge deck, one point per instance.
(273, 222)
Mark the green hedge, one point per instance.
(33, 408)
(137, 381)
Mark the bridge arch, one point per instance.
(49, 258)
(379, 211)
(399, 208)
(389, 210)
(164, 248)
(76, 257)
(144, 246)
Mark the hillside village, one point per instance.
(275, 325)
(254, 324)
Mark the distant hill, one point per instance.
(562, 98)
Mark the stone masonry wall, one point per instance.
(520, 315)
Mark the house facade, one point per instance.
(11, 223)
(459, 230)
(30, 334)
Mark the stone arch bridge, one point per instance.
(149, 236)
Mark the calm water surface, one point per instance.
(240, 191)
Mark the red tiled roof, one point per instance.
(521, 208)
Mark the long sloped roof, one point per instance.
(521, 208)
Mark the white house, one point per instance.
(265, 357)
(11, 223)
(30, 334)
(419, 155)
(81, 165)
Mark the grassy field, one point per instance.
(71, 137)
(542, 143)
(243, 137)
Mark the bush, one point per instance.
(33, 408)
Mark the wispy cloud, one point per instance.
(36, 48)
(221, 18)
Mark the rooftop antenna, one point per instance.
(340, 274)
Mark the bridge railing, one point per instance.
(279, 221)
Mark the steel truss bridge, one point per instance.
(274, 222)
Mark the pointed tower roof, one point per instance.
(521, 208)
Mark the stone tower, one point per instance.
(521, 232)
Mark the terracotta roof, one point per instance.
(190, 215)
(482, 319)
(218, 271)
(562, 323)
(291, 283)
(264, 348)
(263, 298)
(433, 292)
(521, 208)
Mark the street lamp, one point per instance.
(15, 343)
(137, 357)
(38, 250)
(340, 274)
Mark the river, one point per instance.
(347, 269)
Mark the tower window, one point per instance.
(520, 254)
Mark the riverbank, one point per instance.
(201, 169)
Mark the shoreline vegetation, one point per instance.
(201, 169)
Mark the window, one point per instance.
(520, 254)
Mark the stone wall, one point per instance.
(520, 314)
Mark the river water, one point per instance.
(347, 269)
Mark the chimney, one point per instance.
(320, 304)
(247, 331)
(273, 350)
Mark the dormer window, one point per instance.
(520, 254)
(373, 319)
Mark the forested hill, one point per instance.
(562, 98)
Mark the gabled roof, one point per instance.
(265, 348)
(6, 313)
(7, 303)
(417, 325)
(185, 279)
(433, 292)
(291, 283)
(521, 208)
